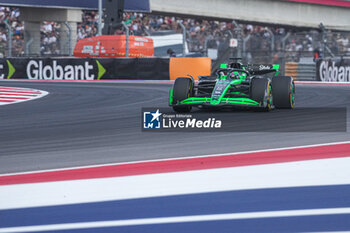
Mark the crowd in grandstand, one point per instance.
(201, 34)
(11, 17)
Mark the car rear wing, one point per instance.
(260, 69)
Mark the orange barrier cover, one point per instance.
(114, 46)
(195, 66)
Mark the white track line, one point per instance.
(179, 219)
(128, 81)
(321, 83)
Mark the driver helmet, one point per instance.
(234, 75)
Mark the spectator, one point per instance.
(202, 34)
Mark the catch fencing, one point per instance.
(55, 39)
(254, 44)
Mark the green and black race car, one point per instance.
(235, 85)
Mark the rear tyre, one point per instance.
(283, 91)
(260, 91)
(182, 89)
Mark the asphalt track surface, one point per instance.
(80, 124)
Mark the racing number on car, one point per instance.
(219, 88)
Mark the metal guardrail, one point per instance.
(306, 71)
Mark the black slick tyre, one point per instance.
(260, 91)
(283, 91)
(182, 89)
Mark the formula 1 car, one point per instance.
(235, 85)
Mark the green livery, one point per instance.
(235, 85)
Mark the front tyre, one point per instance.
(283, 91)
(182, 89)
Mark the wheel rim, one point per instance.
(291, 95)
(268, 97)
